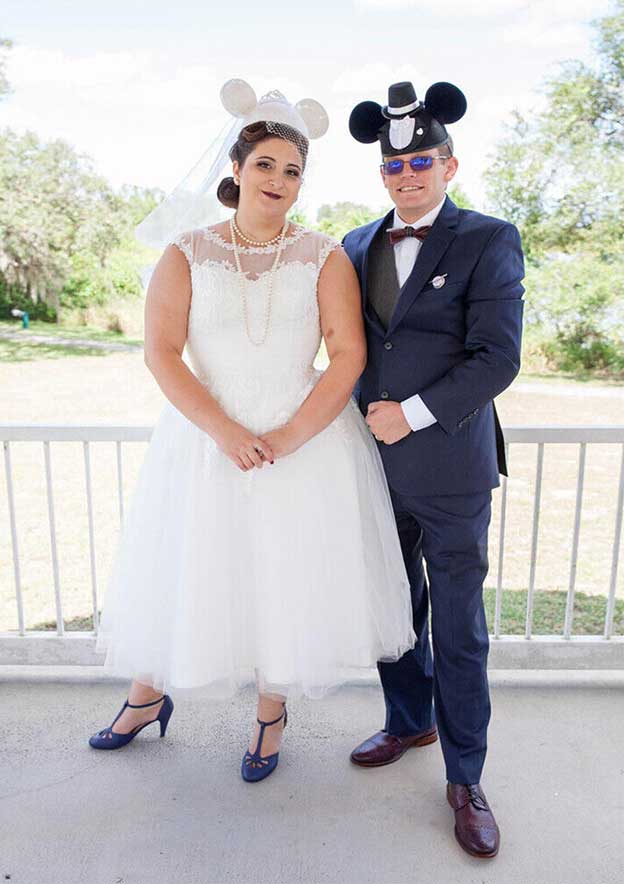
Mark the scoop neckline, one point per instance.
(298, 232)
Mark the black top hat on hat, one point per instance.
(405, 124)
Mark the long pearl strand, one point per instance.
(269, 298)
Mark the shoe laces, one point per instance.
(476, 797)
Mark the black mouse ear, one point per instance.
(445, 102)
(365, 121)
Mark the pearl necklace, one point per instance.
(241, 276)
(255, 242)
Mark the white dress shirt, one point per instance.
(416, 412)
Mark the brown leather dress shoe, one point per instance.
(383, 748)
(475, 826)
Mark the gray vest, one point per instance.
(382, 282)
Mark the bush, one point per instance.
(13, 296)
(95, 291)
(576, 303)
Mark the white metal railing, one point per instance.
(582, 436)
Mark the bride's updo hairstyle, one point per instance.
(228, 192)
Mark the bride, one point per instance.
(260, 542)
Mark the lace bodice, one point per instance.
(259, 385)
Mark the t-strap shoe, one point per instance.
(254, 767)
(107, 739)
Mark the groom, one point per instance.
(442, 301)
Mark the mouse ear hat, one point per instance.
(405, 124)
(193, 203)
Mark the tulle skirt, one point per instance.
(289, 576)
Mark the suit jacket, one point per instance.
(458, 346)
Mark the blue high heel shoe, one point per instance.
(107, 739)
(254, 767)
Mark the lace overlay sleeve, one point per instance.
(184, 241)
(328, 245)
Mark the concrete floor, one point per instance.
(176, 810)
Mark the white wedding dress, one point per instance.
(289, 575)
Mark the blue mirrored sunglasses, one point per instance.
(418, 164)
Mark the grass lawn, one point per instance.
(549, 612)
(25, 348)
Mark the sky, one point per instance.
(135, 85)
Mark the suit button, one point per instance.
(388, 345)
(385, 394)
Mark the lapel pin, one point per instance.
(438, 281)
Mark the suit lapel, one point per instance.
(434, 246)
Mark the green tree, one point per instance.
(338, 219)
(65, 234)
(459, 196)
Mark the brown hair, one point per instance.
(228, 192)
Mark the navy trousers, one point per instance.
(450, 533)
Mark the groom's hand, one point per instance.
(387, 422)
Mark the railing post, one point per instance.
(14, 544)
(616, 554)
(536, 513)
(87, 465)
(60, 626)
(567, 628)
(501, 549)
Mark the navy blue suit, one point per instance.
(458, 346)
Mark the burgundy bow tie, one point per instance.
(397, 234)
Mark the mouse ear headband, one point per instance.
(405, 124)
(193, 203)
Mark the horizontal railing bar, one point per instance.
(506, 652)
(105, 433)
(73, 433)
(562, 435)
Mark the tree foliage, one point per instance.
(338, 219)
(62, 224)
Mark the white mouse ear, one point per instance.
(314, 116)
(238, 98)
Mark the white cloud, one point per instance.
(367, 78)
(449, 7)
(553, 10)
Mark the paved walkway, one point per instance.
(175, 811)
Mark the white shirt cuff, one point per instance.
(416, 413)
